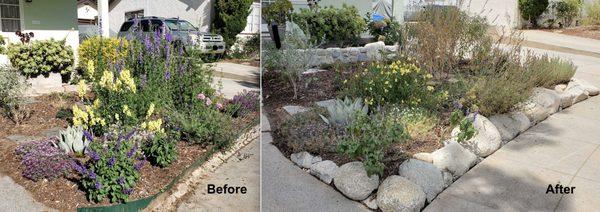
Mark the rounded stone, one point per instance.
(399, 194)
(424, 174)
(352, 180)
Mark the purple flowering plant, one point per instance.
(244, 103)
(113, 169)
(43, 159)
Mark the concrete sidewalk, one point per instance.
(240, 170)
(564, 149)
(561, 42)
(235, 71)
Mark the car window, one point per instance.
(145, 25)
(156, 25)
(182, 25)
(126, 26)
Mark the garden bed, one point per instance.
(66, 194)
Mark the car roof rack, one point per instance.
(146, 17)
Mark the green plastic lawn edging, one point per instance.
(140, 204)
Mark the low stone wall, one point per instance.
(369, 52)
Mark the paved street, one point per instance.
(564, 149)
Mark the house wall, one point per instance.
(197, 12)
(502, 14)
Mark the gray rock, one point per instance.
(371, 203)
(454, 158)
(423, 174)
(335, 52)
(304, 159)
(374, 50)
(423, 156)
(324, 170)
(486, 140)
(15, 198)
(448, 179)
(313, 71)
(543, 103)
(352, 180)
(592, 90)
(579, 93)
(510, 125)
(399, 194)
(560, 88)
(52, 132)
(293, 110)
(326, 103)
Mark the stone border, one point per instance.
(369, 52)
(167, 201)
(423, 177)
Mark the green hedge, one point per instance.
(331, 25)
(41, 57)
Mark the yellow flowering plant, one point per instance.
(399, 82)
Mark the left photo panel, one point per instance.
(129, 105)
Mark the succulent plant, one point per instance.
(342, 112)
(72, 140)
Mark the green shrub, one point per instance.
(160, 149)
(532, 9)
(388, 31)
(567, 11)
(400, 83)
(369, 137)
(103, 51)
(230, 18)
(419, 123)
(215, 128)
(113, 169)
(550, 71)
(331, 25)
(279, 11)
(592, 11)
(12, 91)
(41, 57)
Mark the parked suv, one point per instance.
(183, 33)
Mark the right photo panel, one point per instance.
(430, 105)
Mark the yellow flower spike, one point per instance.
(107, 79)
(96, 104)
(430, 88)
(81, 89)
(117, 117)
(127, 111)
(125, 78)
(91, 69)
(150, 110)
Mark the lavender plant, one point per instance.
(43, 160)
(246, 102)
(113, 169)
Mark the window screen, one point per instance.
(10, 15)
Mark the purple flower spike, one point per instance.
(475, 115)
(93, 155)
(132, 151)
(121, 181)
(92, 175)
(111, 162)
(127, 191)
(98, 185)
(169, 37)
(130, 134)
(167, 75)
(88, 135)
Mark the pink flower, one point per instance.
(201, 96)
(208, 102)
(219, 106)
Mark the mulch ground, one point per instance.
(592, 32)
(323, 86)
(64, 193)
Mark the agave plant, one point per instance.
(72, 140)
(342, 112)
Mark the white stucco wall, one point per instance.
(499, 13)
(197, 12)
(86, 12)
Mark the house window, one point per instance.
(10, 15)
(134, 14)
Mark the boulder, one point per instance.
(543, 103)
(560, 88)
(423, 156)
(454, 158)
(448, 179)
(399, 194)
(371, 203)
(304, 159)
(579, 93)
(487, 138)
(510, 125)
(373, 50)
(423, 174)
(324, 170)
(592, 90)
(352, 180)
(293, 110)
